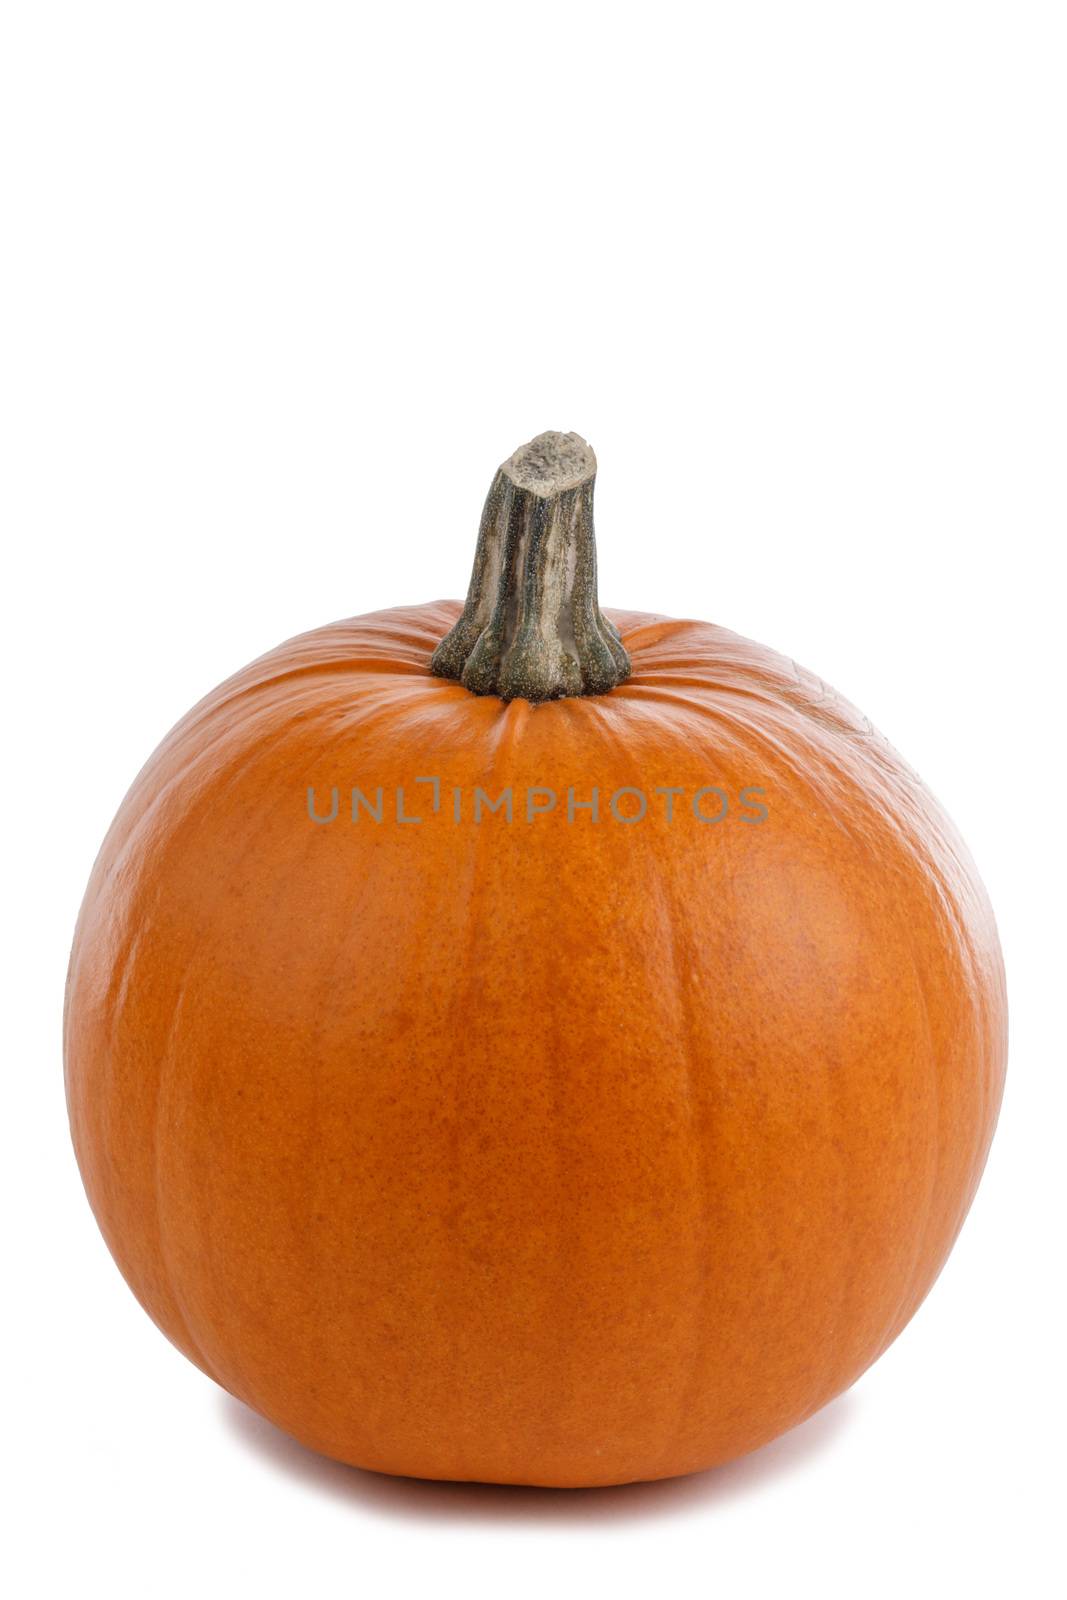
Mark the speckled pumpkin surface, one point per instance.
(559, 1150)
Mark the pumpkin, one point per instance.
(529, 1043)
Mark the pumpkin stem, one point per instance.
(531, 628)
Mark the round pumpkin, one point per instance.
(526, 1043)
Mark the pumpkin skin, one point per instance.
(548, 1152)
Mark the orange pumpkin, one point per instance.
(599, 1124)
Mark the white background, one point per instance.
(282, 284)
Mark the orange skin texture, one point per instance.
(543, 1152)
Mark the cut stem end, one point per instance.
(532, 628)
